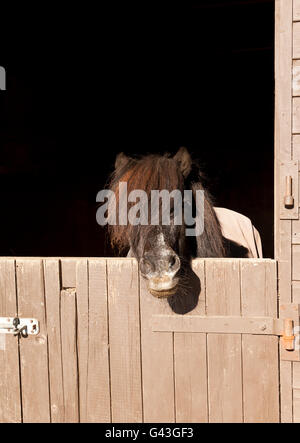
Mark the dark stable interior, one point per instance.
(138, 79)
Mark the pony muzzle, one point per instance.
(163, 287)
(160, 271)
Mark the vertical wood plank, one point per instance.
(124, 339)
(224, 350)
(296, 405)
(190, 362)
(68, 272)
(296, 144)
(260, 353)
(296, 114)
(82, 294)
(283, 152)
(296, 10)
(10, 393)
(296, 262)
(52, 296)
(296, 40)
(296, 292)
(296, 78)
(98, 381)
(33, 350)
(296, 375)
(69, 355)
(157, 361)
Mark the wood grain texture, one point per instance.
(296, 291)
(33, 349)
(296, 405)
(296, 262)
(124, 339)
(224, 351)
(98, 408)
(296, 78)
(157, 362)
(296, 10)
(296, 114)
(69, 355)
(296, 375)
(260, 353)
(10, 392)
(190, 364)
(83, 312)
(52, 296)
(68, 272)
(296, 40)
(295, 378)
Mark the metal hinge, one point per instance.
(19, 326)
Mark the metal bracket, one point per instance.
(289, 342)
(19, 326)
(289, 190)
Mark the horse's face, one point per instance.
(156, 247)
(159, 259)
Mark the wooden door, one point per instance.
(109, 351)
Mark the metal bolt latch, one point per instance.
(288, 337)
(19, 326)
(288, 198)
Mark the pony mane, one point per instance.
(162, 172)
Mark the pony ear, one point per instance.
(121, 160)
(184, 160)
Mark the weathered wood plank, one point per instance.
(157, 362)
(296, 78)
(68, 272)
(124, 339)
(296, 405)
(296, 10)
(190, 363)
(260, 353)
(296, 291)
(82, 298)
(69, 355)
(10, 393)
(33, 349)
(226, 324)
(296, 40)
(52, 296)
(296, 146)
(296, 262)
(283, 79)
(296, 375)
(224, 351)
(296, 114)
(98, 407)
(283, 152)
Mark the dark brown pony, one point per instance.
(164, 252)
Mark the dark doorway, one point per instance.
(138, 79)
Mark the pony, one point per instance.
(164, 252)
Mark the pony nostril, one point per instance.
(145, 266)
(174, 263)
